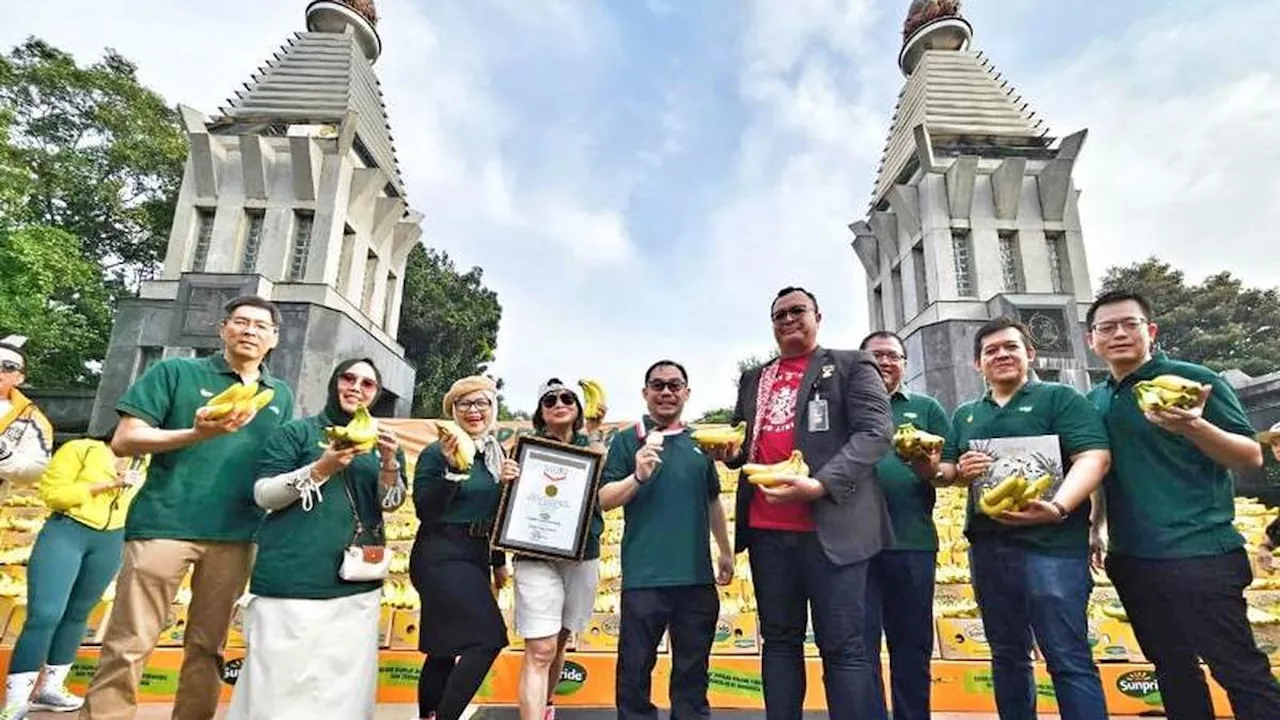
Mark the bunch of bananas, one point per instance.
(239, 397)
(913, 443)
(23, 500)
(769, 475)
(1012, 493)
(594, 396)
(465, 450)
(956, 608)
(362, 432)
(721, 435)
(1260, 617)
(1114, 610)
(1167, 391)
(399, 562)
(399, 593)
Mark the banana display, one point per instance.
(594, 396)
(721, 435)
(913, 443)
(770, 475)
(239, 397)
(464, 453)
(1012, 494)
(1167, 391)
(362, 432)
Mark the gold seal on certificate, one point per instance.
(546, 511)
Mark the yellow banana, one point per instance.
(223, 403)
(465, 454)
(1166, 391)
(911, 442)
(994, 508)
(362, 431)
(594, 399)
(1037, 488)
(721, 435)
(770, 475)
(1004, 489)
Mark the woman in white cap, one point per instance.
(462, 630)
(554, 599)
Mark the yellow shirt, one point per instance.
(75, 468)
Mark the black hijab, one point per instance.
(333, 411)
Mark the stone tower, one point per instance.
(292, 192)
(973, 215)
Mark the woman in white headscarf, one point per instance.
(461, 628)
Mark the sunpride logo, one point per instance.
(1138, 684)
(572, 677)
(230, 669)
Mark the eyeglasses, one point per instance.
(1109, 327)
(243, 324)
(786, 314)
(887, 355)
(565, 398)
(658, 386)
(10, 366)
(364, 383)
(480, 405)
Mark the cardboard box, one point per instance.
(736, 635)
(962, 639)
(175, 627)
(1113, 640)
(404, 630)
(385, 617)
(950, 593)
(601, 633)
(17, 617)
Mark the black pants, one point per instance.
(1185, 610)
(688, 614)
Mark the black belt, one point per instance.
(479, 530)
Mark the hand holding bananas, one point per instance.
(1172, 403)
(787, 471)
(1016, 500)
(594, 399)
(459, 449)
(922, 450)
(721, 442)
(361, 433)
(334, 460)
(231, 409)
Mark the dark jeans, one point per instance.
(688, 614)
(1021, 592)
(905, 579)
(1184, 610)
(791, 575)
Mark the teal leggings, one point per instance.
(71, 566)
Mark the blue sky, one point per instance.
(638, 177)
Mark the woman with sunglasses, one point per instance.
(461, 628)
(311, 622)
(26, 437)
(554, 599)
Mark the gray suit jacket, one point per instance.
(852, 519)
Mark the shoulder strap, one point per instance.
(355, 511)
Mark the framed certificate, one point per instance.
(546, 511)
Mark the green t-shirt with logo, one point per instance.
(666, 537)
(909, 498)
(1038, 408)
(203, 491)
(1166, 498)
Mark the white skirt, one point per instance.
(308, 659)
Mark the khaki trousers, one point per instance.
(148, 584)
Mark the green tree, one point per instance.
(448, 325)
(1218, 323)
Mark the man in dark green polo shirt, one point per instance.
(905, 573)
(1177, 562)
(1031, 568)
(670, 492)
(195, 510)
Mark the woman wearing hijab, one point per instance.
(462, 630)
(311, 623)
(554, 599)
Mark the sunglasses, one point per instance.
(565, 398)
(10, 366)
(660, 385)
(363, 383)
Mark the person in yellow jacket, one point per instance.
(75, 557)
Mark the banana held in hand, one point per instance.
(768, 475)
(595, 398)
(1012, 494)
(721, 435)
(1166, 391)
(913, 443)
(465, 454)
(362, 431)
(239, 397)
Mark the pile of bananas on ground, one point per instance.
(956, 608)
(1261, 617)
(361, 432)
(721, 435)
(398, 593)
(912, 443)
(770, 475)
(949, 513)
(12, 587)
(21, 524)
(23, 500)
(239, 397)
(1167, 391)
(1012, 494)
(594, 399)
(464, 453)
(15, 555)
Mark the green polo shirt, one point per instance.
(911, 499)
(299, 550)
(203, 491)
(1038, 408)
(666, 539)
(438, 500)
(1165, 497)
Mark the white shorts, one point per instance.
(551, 596)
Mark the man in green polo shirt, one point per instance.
(195, 511)
(1177, 562)
(1030, 568)
(670, 492)
(904, 574)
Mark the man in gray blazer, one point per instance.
(810, 539)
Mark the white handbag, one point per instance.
(363, 563)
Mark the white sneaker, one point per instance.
(57, 699)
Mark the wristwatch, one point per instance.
(1062, 511)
